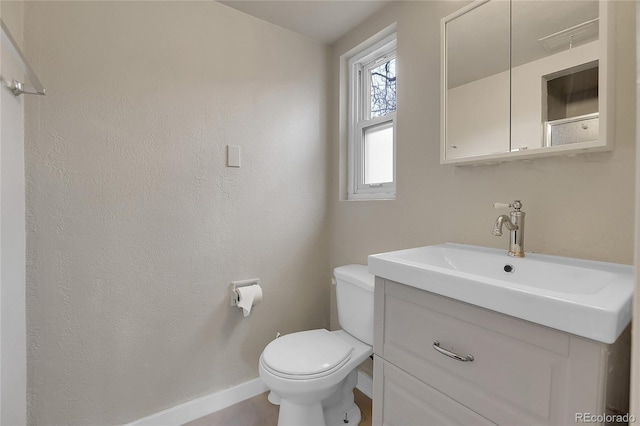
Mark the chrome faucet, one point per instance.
(514, 223)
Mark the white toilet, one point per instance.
(313, 373)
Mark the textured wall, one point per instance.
(581, 206)
(135, 226)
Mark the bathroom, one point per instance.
(135, 225)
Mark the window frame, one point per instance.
(359, 104)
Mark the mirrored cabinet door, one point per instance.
(477, 80)
(526, 78)
(554, 73)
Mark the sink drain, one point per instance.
(509, 269)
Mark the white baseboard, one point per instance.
(365, 384)
(200, 407)
(194, 409)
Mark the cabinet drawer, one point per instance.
(518, 368)
(407, 401)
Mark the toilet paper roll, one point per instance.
(247, 297)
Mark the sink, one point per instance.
(586, 298)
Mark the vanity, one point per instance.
(467, 335)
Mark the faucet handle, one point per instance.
(516, 205)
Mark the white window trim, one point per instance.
(357, 190)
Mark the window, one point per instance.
(372, 106)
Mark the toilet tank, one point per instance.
(354, 294)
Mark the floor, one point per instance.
(258, 411)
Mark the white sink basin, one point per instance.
(587, 298)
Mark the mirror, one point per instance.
(477, 73)
(524, 78)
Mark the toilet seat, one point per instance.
(306, 355)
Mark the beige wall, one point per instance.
(580, 206)
(135, 226)
(12, 13)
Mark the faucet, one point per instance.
(514, 223)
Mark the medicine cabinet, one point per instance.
(524, 79)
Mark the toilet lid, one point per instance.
(306, 353)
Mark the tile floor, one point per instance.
(258, 411)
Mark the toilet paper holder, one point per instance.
(242, 283)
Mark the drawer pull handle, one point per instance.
(463, 358)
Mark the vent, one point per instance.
(570, 36)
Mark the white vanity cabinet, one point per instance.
(521, 373)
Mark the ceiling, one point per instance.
(323, 20)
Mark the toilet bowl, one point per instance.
(313, 372)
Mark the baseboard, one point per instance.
(194, 409)
(365, 384)
(200, 407)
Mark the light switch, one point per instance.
(233, 156)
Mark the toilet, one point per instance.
(311, 374)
